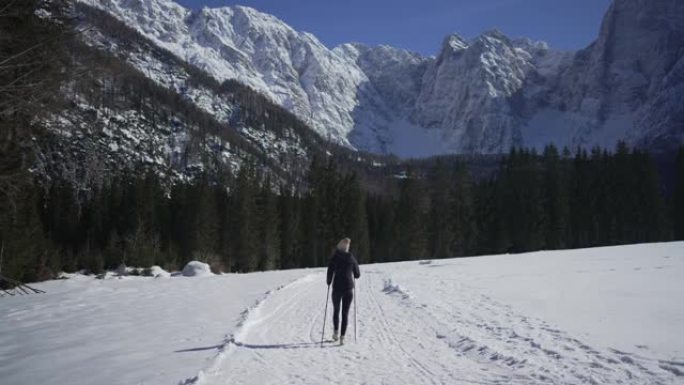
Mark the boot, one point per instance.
(335, 335)
(342, 340)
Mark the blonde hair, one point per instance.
(343, 245)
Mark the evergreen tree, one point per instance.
(462, 214)
(269, 246)
(441, 219)
(678, 198)
(324, 217)
(24, 248)
(648, 222)
(224, 223)
(289, 213)
(245, 225)
(381, 228)
(354, 217)
(519, 202)
(556, 199)
(582, 200)
(206, 224)
(308, 235)
(410, 236)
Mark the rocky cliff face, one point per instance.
(627, 84)
(292, 68)
(480, 95)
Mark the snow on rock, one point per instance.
(197, 269)
(292, 68)
(480, 95)
(393, 288)
(122, 270)
(158, 272)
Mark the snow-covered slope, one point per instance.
(135, 107)
(471, 90)
(603, 315)
(480, 95)
(293, 68)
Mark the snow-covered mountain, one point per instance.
(136, 108)
(629, 83)
(292, 68)
(480, 95)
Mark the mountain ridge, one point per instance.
(480, 95)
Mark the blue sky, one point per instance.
(421, 25)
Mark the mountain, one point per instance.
(629, 83)
(480, 95)
(136, 107)
(292, 68)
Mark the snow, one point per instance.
(292, 68)
(573, 130)
(411, 141)
(158, 272)
(602, 315)
(171, 75)
(197, 269)
(129, 330)
(479, 93)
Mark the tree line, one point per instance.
(244, 222)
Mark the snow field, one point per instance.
(599, 316)
(133, 330)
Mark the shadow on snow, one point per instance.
(293, 345)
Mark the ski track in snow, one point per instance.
(457, 336)
(478, 327)
(592, 316)
(249, 317)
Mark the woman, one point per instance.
(342, 270)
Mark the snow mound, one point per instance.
(196, 269)
(393, 288)
(158, 272)
(122, 270)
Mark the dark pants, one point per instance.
(345, 297)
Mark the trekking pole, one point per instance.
(325, 314)
(354, 313)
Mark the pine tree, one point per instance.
(224, 222)
(289, 214)
(308, 234)
(410, 236)
(269, 246)
(678, 198)
(441, 219)
(354, 217)
(462, 213)
(519, 202)
(244, 214)
(21, 236)
(205, 223)
(33, 67)
(381, 228)
(556, 199)
(582, 200)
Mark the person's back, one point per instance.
(342, 270)
(344, 267)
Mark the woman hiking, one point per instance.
(342, 270)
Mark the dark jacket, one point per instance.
(345, 268)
